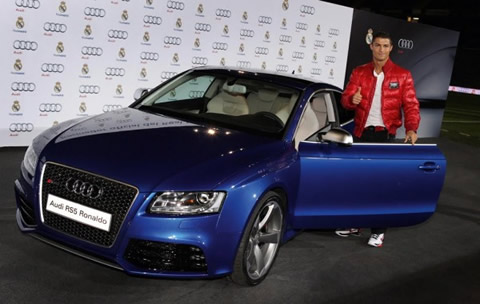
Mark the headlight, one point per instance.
(187, 203)
(30, 160)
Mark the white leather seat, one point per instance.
(229, 101)
(314, 118)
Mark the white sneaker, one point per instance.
(348, 232)
(376, 240)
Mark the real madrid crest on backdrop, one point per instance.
(64, 59)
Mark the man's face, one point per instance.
(381, 48)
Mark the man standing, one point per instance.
(377, 92)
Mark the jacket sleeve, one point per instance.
(411, 106)
(350, 90)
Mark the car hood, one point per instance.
(156, 152)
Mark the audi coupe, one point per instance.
(207, 174)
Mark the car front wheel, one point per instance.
(260, 241)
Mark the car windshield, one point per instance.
(218, 98)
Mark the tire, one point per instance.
(260, 241)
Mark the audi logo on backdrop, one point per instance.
(50, 107)
(282, 68)
(115, 72)
(319, 43)
(223, 13)
(94, 12)
(244, 64)
(203, 27)
(330, 59)
(55, 27)
(52, 67)
(247, 33)
(111, 107)
(176, 5)
(172, 40)
(265, 20)
(405, 44)
(92, 51)
(21, 127)
(220, 46)
(117, 34)
(298, 55)
(196, 94)
(261, 50)
(28, 3)
(316, 71)
(333, 31)
(152, 19)
(149, 56)
(301, 26)
(25, 45)
(23, 86)
(285, 38)
(167, 75)
(83, 188)
(89, 89)
(305, 9)
(200, 60)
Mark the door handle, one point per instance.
(429, 167)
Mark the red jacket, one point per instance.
(398, 92)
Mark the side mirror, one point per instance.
(139, 93)
(337, 135)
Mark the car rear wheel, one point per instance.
(260, 242)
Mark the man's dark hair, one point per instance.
(383, 35)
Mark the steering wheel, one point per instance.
(271, 117)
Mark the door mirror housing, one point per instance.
(336, 135)
(139, 93)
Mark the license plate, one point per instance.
(79, 213)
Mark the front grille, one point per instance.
(160, 256)
(116, 198)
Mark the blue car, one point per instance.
(209, 173)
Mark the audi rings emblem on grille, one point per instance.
(200, 60)
(282, 68)
(320, 43)
(25, 45)
(305, 9)
(167, 75)
(330, 59)
(172, 40)
(28, 3)
(111, 107)
(203, 27)
(265, 20)
(94, 12)
(54, 27)
(53, 67)
(298, 55)
(261, 50)
(149, 56)
(93, 51)
(223, 13)
(221, 46)
(247, 33)
(244, 64)
(176, 5)
(285, 38)
(152, 20)
(301, 26)
(117, 34)
(50, 107)
(405, 44)
(21, 127)
(333, 32)
(23, 86)
(316, 71)
(89, 89)
(115, 72)
(83, 188)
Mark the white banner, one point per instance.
(64, 59)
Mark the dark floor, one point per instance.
(435, 262)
